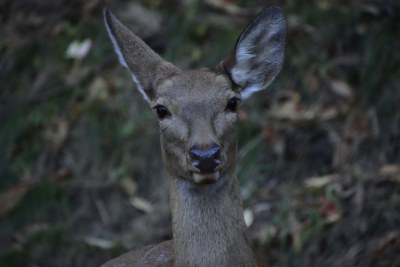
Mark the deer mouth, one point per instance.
(205, 178)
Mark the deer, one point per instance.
(197, 115)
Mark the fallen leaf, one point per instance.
(98, 90)
(389, 170)
(78, 50)
(329, 210)
(99, 242)
(248, 217)
(328, 113)
(129, 186)
(227, 6)
(141, 204)
(320, 181)
(341, 89)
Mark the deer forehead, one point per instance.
(189, 89)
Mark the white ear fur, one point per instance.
(140, 88)
(259, 52)
(117, 49)
(146, 66)
(122, 61)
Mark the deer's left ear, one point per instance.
(259, 52)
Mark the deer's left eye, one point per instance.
(232, 104)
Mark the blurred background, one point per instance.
(81, 177)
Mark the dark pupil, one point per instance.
(161, 111)
(232, 104)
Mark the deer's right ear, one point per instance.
(146, 66)
(258, 54)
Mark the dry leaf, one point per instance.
(98, 90)
(288, 109)
(99, 242)
(329, 210)
(227, 6)
(248, 217)
(328, 113)
(389, 170)
(129, 186)
(141, 204)
(78, 50)
(321, 181)
(341, 89)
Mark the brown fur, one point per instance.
(207, 219)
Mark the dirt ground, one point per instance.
(81, 177)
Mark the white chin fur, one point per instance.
(205, 178)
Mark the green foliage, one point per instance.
(43, 200)
(15, 258)
(314, 227)
(44, 243)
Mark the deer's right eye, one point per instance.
(232, 104)
(162, 111)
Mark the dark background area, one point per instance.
(81, 177)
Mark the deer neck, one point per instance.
(208, 224)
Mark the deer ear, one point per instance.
(146, 66)
(259, 52)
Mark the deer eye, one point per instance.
(232, 104)
(162, 111)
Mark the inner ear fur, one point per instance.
(259, 52)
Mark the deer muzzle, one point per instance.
(206, 161)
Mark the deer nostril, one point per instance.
(205, 160)
(212, 153)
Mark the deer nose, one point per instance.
(206, 160)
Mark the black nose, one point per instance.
(206, 160)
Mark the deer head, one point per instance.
(196, 109)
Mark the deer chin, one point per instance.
(205, 178)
